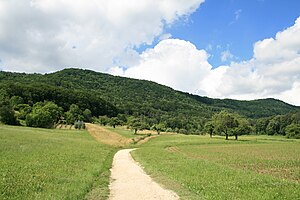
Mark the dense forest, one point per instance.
(84, 95)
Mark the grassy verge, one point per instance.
(198, 167)
(52, 164)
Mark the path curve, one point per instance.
(130, 182)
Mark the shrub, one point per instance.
(293, 131)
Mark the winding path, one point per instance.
(130, 182)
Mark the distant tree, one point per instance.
(273, 126)
(261, 125)
(209, 128)
(159, 127)
(43, 115)
(137, 124)
(122, 118)
(296, 118)
(24, 110)
(293, 131)
(243, 128)
(114, 121)
(15, 101)
(103, 120)
(73, 114)
(87, 115)
(7, 114)
(225, 122)
(183, 131)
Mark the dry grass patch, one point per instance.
(107, 137)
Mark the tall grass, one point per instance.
(198, 167)
(52, 164)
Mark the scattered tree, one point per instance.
(114, 121)
(87, 115)
(103, 120)
(209, 127)
(73, 114)
(159, 127)
(225, 122)
(43, 115)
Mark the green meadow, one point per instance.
(199, 167)
(52, 164)
(71, 164)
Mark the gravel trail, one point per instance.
(130, 182)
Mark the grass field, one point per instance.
(71, 164)
(197, 167)
(52, 164)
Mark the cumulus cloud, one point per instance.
(46, 35)
(274, 70)
(173, 62)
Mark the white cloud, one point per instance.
(274, 70)
(226, 56)
(47, 35)
(173, 62)
(39, 35)
(237, 14)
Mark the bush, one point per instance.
(293, 131)
(79, 125)
(43, 115)
(7, 115)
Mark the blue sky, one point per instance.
(240, 49)
(235, 25)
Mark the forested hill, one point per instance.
(112, 95)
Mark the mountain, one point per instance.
(105, 94)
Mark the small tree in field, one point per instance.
(209, 127)
(243, 128)
(103, 120)
(137, 124)
(225, 122)
(159, 127)
(114, 121)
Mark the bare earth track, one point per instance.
(130, 182)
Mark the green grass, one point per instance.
(123, 132)
(52, 164)
(197, 167)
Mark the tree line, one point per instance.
(110, 100)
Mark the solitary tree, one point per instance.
(225, 122)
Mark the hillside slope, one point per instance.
(140, 97)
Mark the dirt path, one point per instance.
(130, 182)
